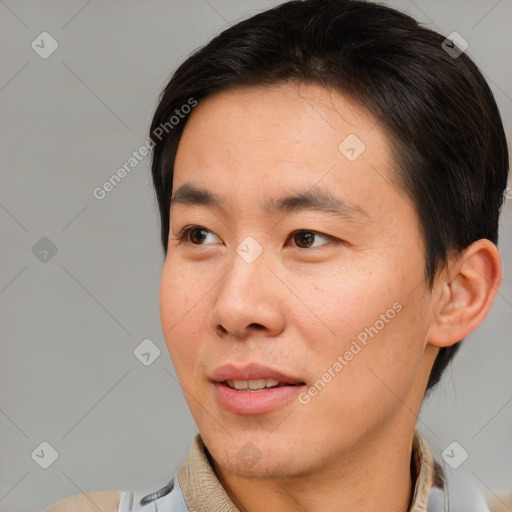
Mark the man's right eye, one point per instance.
(193, 235)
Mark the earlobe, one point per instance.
(469, 286)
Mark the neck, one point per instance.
(375, 477)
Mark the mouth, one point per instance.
(254, 389)
(255, 385)
(252, 376)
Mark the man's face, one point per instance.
(331, 304)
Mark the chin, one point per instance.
(254, 455)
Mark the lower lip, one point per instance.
(254, 402)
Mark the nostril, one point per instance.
(222, 329)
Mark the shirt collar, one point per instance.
(203, 491)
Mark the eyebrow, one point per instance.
(315, 200)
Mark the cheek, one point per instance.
(181, 303)
(374, 324)
(341, 306)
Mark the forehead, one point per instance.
(259, 140)
(289, 112)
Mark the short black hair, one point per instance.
(449, 145)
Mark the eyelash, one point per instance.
(183, 235)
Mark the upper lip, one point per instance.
(251, 371)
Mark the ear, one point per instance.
(466, 291)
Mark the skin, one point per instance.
(297, 308)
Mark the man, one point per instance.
(329, 176)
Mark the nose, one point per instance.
(249, 300)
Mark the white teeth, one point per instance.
(245, 385)
(240, 384)
(257, 384)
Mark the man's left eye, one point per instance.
(305, 239)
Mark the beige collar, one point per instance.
(203, 492)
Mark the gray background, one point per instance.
(69, 325)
